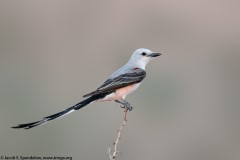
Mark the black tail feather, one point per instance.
(62, 113)
(29, 125)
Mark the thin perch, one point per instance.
(115, 144)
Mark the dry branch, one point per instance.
(115, 152)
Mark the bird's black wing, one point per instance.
(136, 75)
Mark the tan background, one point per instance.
(53, 52)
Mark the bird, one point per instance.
(122, 82)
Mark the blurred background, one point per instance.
(187, 108)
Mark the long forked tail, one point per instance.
(62, 113)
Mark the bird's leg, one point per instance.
(125, 104)
(120, 103)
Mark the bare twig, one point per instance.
(116, 153)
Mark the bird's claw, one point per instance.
(127, 106)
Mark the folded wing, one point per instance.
(135, 75)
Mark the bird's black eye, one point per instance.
(143, 53)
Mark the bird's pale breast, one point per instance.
(121, 93)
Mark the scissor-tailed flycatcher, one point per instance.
(122, 82)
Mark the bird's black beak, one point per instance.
(154, 54)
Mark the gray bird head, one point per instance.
(141, 57)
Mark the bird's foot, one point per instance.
(127, 106)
